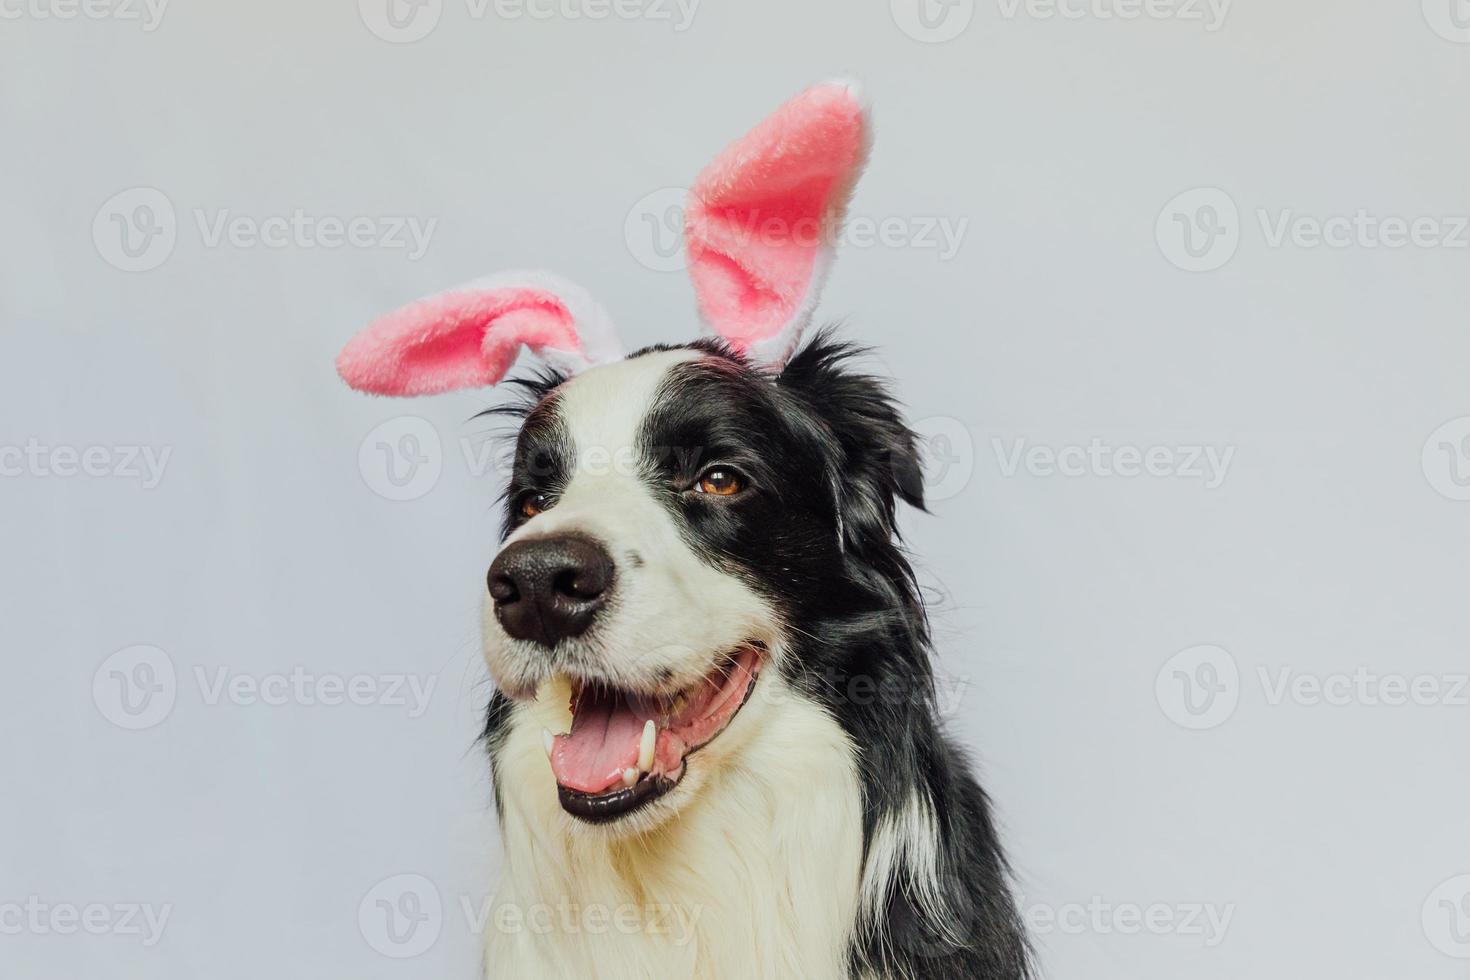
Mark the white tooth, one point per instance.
(645, 747)
(630, 776)
(546, 741)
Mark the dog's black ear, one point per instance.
(873, 457)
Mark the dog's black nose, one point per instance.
(547, 589)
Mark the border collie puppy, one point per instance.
(714, 741)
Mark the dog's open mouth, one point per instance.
(627, 749)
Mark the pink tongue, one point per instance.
(603, 742)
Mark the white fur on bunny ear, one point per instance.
(762, 219)
(470, 336)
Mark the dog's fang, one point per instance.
(630, 776)
(645, 747)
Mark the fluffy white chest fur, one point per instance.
(759, 877)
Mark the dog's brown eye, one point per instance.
(721, 481)
(533, 503)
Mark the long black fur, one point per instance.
(829, 459)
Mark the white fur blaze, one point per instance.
(672, 614)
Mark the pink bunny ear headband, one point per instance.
(760, 225)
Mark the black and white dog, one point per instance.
(714, 741)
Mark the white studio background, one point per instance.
(1219, 703)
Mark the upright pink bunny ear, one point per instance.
(469, 336)
(762, 219)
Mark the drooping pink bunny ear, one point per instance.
(762, 219)
(470, 336)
